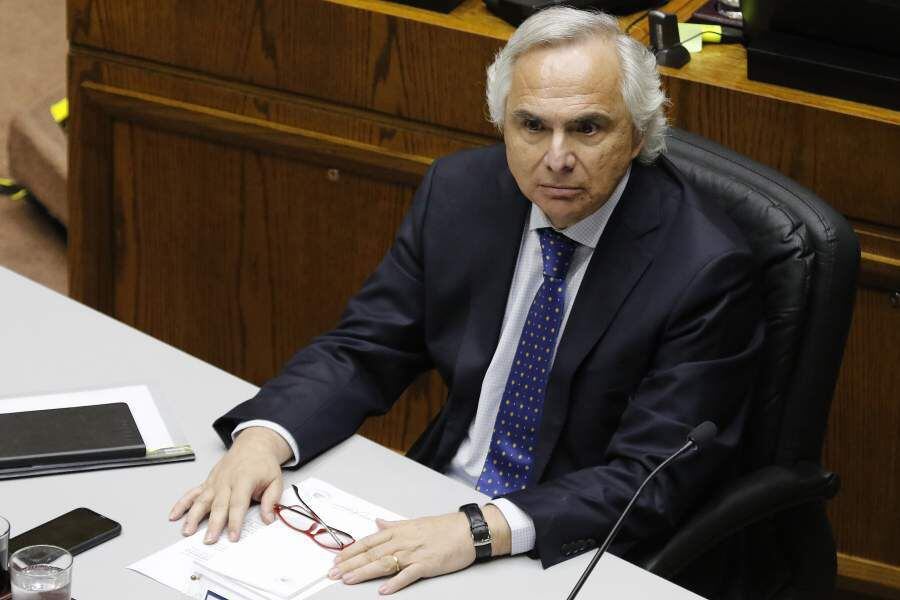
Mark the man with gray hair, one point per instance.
(585, 307)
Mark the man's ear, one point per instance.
(637, 142)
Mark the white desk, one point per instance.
(50, 343)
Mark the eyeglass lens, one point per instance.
(293, 517)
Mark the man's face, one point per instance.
(569, 138)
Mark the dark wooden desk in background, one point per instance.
(237, 169)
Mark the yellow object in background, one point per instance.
(60, 110)
(693, 35)
(10, 188)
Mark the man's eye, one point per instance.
(532, 124)
(587, 128)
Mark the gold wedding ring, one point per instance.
(396, 564)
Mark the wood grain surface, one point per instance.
(273, 138)
(91, 278)
(867, 579)
(335, 52)
(848, 161)
(863, 433)
(237, 169)
(245, 277)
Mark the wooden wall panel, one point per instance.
(863, 442)
(160, 233)
(272, 121)
(90, 240)
(336, 51)
(212, 259)
(247, 271)
(205, 96)
(849, 162)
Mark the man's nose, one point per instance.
(559, 157)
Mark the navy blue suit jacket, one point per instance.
(663, 334)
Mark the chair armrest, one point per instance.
(754, 497)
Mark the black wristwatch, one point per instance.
(481, 534)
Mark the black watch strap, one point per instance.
(481, 534)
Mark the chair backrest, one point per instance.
(809, 258)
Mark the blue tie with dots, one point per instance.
(511, 455)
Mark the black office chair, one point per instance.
(773, 518)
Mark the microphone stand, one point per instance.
(612, 534)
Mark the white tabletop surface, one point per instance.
(50, 343)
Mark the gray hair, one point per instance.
(639, 83)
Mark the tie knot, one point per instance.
(556, 252)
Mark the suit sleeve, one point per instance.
(703, 370)
(361, 367)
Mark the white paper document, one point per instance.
(269, 562)
(174, 566)
(138, 398)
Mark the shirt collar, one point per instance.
(587, 231)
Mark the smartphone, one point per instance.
(76, 531)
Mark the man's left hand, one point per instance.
(407, 551)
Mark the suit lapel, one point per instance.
(500, 227)
(618, 262)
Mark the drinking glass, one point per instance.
(41, 573)
(4, 556)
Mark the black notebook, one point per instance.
(60, 436)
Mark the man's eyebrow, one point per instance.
(523, 114)
(592, 117)
(598, 117)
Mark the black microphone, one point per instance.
(698, 437)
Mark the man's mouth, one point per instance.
(560, 191)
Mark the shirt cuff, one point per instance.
(521, 526)
(284, 433)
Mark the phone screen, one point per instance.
(76, 531)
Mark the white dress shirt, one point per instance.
(469, 460)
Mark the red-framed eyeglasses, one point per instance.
(302, 518)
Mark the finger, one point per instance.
(237, 509)
(218, 513)
(197, 512)
(372, 555)
(383, 524)
(363, 545)
(184, 503)
(269, 498)
(383, 567)
(410, 574)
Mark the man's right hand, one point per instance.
(250, 470)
